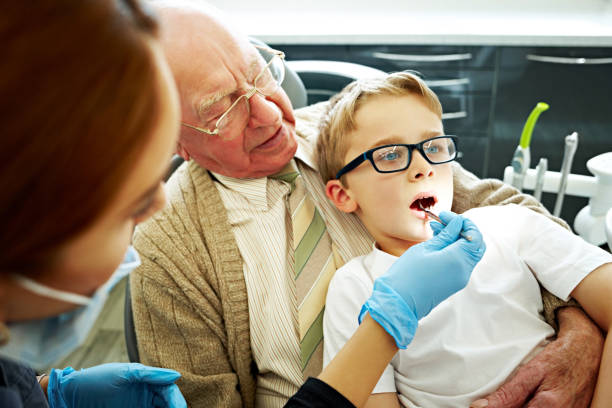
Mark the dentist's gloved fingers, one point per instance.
(114, 385)
(469, 228)
(151, 375)
(476, 247)
(447, 216)
(168, 397)
(447, 235)
(436, 227)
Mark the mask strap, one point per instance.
(48, 292)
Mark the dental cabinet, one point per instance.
(489, 62)
(487, 93)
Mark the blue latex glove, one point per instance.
(114, 385)
(425, 275)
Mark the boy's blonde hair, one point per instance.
(339, 119)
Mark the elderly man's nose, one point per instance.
(263, 112)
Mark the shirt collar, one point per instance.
(379, 262)
(305, 152)
(255, 189)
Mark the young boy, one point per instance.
(383, 155)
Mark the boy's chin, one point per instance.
(420, 236)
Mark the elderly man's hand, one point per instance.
(562, 375)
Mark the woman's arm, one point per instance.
(593, 293)
(383, 399)
(351, 376)
(359, 364)
(43, 380)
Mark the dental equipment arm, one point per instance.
(571, 144)
(522, 157)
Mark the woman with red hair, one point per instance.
(89, 119)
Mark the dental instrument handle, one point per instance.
(571, 144)
(521, 160)
(541, 169)
(525, 140)
(435, 217)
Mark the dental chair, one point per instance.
(306, 82)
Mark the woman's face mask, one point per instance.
(42, 342)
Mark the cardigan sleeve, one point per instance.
(185, 307)
(471, 192)
(175, 333)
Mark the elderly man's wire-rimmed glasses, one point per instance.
(397, 157)
(266, 83)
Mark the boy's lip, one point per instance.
(424, 195)
(273, 139)
(414, 207)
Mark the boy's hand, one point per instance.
(425, 275)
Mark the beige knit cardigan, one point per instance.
(189, 296)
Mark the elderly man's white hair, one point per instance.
(199, 5)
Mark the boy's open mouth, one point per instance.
(425, 200)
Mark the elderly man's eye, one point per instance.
(214, 112)
(265, 78)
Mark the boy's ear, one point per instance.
(338, 194)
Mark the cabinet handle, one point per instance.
(441, 83)
(422, 58)
(454, 115)
(321, 92)
(568, 60)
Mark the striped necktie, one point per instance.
(313, 269)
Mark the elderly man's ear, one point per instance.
(340, 196)
(180, 150)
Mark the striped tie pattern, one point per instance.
(313, 269)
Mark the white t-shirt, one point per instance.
(470, 343)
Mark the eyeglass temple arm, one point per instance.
(352, 164)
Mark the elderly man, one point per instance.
(216, 296)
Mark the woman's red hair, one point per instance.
(78, 101)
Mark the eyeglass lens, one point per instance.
(266, 83)
(392, 158)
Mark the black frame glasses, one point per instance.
(369, 155)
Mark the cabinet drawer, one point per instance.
(465, 112)
(556, 56)
(398, 58)
(473, 150)
(314, 52)
(443, 81)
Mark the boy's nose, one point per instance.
(263, 112)
(419, 167)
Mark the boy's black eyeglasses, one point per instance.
(397, 157)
